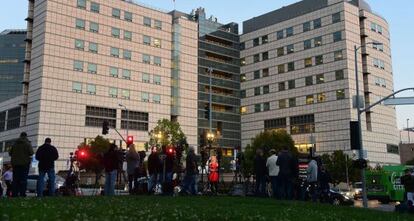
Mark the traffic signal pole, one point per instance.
(210, 121)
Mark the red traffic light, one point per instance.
(170, 150)
(130, 140)
(81, 154)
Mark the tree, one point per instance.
(337, 163)
(166, 133)
(267, 140)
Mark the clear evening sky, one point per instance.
(398, 13)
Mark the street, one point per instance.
(374, 204)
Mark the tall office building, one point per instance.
(218, 49)
(299, 75)
(12, 48)
(90, 61)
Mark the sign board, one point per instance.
(399, 101)
(361, 102)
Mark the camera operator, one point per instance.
(133, 163)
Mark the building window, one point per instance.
(128, 35)
(113, 92)
(242, 77)
(340, 94)
(266, 106)
(126, 74)
(337, 36)
(380, 82)
(307, 44)
(256, 75)
(256, 42)
(116, 13)
(147, 21)
(91, 89)
(308, 62)
(113, 72)
(309, 99)
(145, 78)
(243, 110)
(320, 79)
(127, 55)
(317, 41)
(278, 123)
(157, 79)
(146, 40)
(92, 68)
(243, 94)
(306, 26)
(378, 47)
(95, 116)
(157, 61)
(336, 17)
(95, 7)
(292, 102)
(128, 16)
(279, 35)
(379, 63)
(291, 84)
(280, 51)
(115, 52)
(93, 47)
(289, 32)
(156, 42)
(338, 55)
(282, 103)
(265, 56)
(242, 61)
(266, 89)
(302, 124)
(144, 97)
(376, 28)
(317, 23)
(125, 94)
(339, 75)
(81, 4)
(79, 44)
(309, 81)
(265, 39)
(77, 87)
(319, 60)
(80, 24)
(256, 58)
(256, 91)
(282, 86)
(78, 65)
(93, 27)
(291, 66)
(146, 59)
(265, 72)
(257, 108)
(290, 49)
(157, 24)
(116, 32)
(321, 97)
(281, 68)
(156, 98)
(13, 121)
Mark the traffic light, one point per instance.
(81, 154)
(105, 127)
(360, 163)
(130, 140)
(170, 150)
(207, 111)
(355, 136)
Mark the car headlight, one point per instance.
(346, 197)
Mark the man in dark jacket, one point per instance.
(190, 172)
(111, 162)
(153, 169)
(46, 155)
(20, 154)
(408, 181)
(260, 170)
(286, 173)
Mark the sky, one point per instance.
(398, 13)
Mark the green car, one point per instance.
(385, 185)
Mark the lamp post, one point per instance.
(408, 130)
(359, 112)
(127, 121)
(158, 137)
(210, 95)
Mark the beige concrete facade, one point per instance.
(323, 91)
(74, 64)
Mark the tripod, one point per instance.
(119, 176)
(72, 179)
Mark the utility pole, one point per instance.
(408, 130)
(210, 71)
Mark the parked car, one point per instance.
(337, 198)
(357, 190)
(32, 183)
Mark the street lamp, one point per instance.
(210, 138)
(127, 121)
(359, 111)
(408, 130)
(158, 137)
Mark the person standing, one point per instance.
(46, 155)
(111, 163)
(260, 171)
(133, 163)
(286, 173)
(8, 180)
(273, 172)
(312, 178)
(324, 180)
(20, 154)
(408, 182)
(153, 169)
(213, 176)
(190, 172)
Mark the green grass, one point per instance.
(181, 208)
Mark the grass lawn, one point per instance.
(181, 208)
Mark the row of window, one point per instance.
(380, 82)
(298, 124)
(116, 13)
(12, 121)
(378, 63)
(377, 28)
(337, 36)
(115, 72)
(77, 87)
(307, 26)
